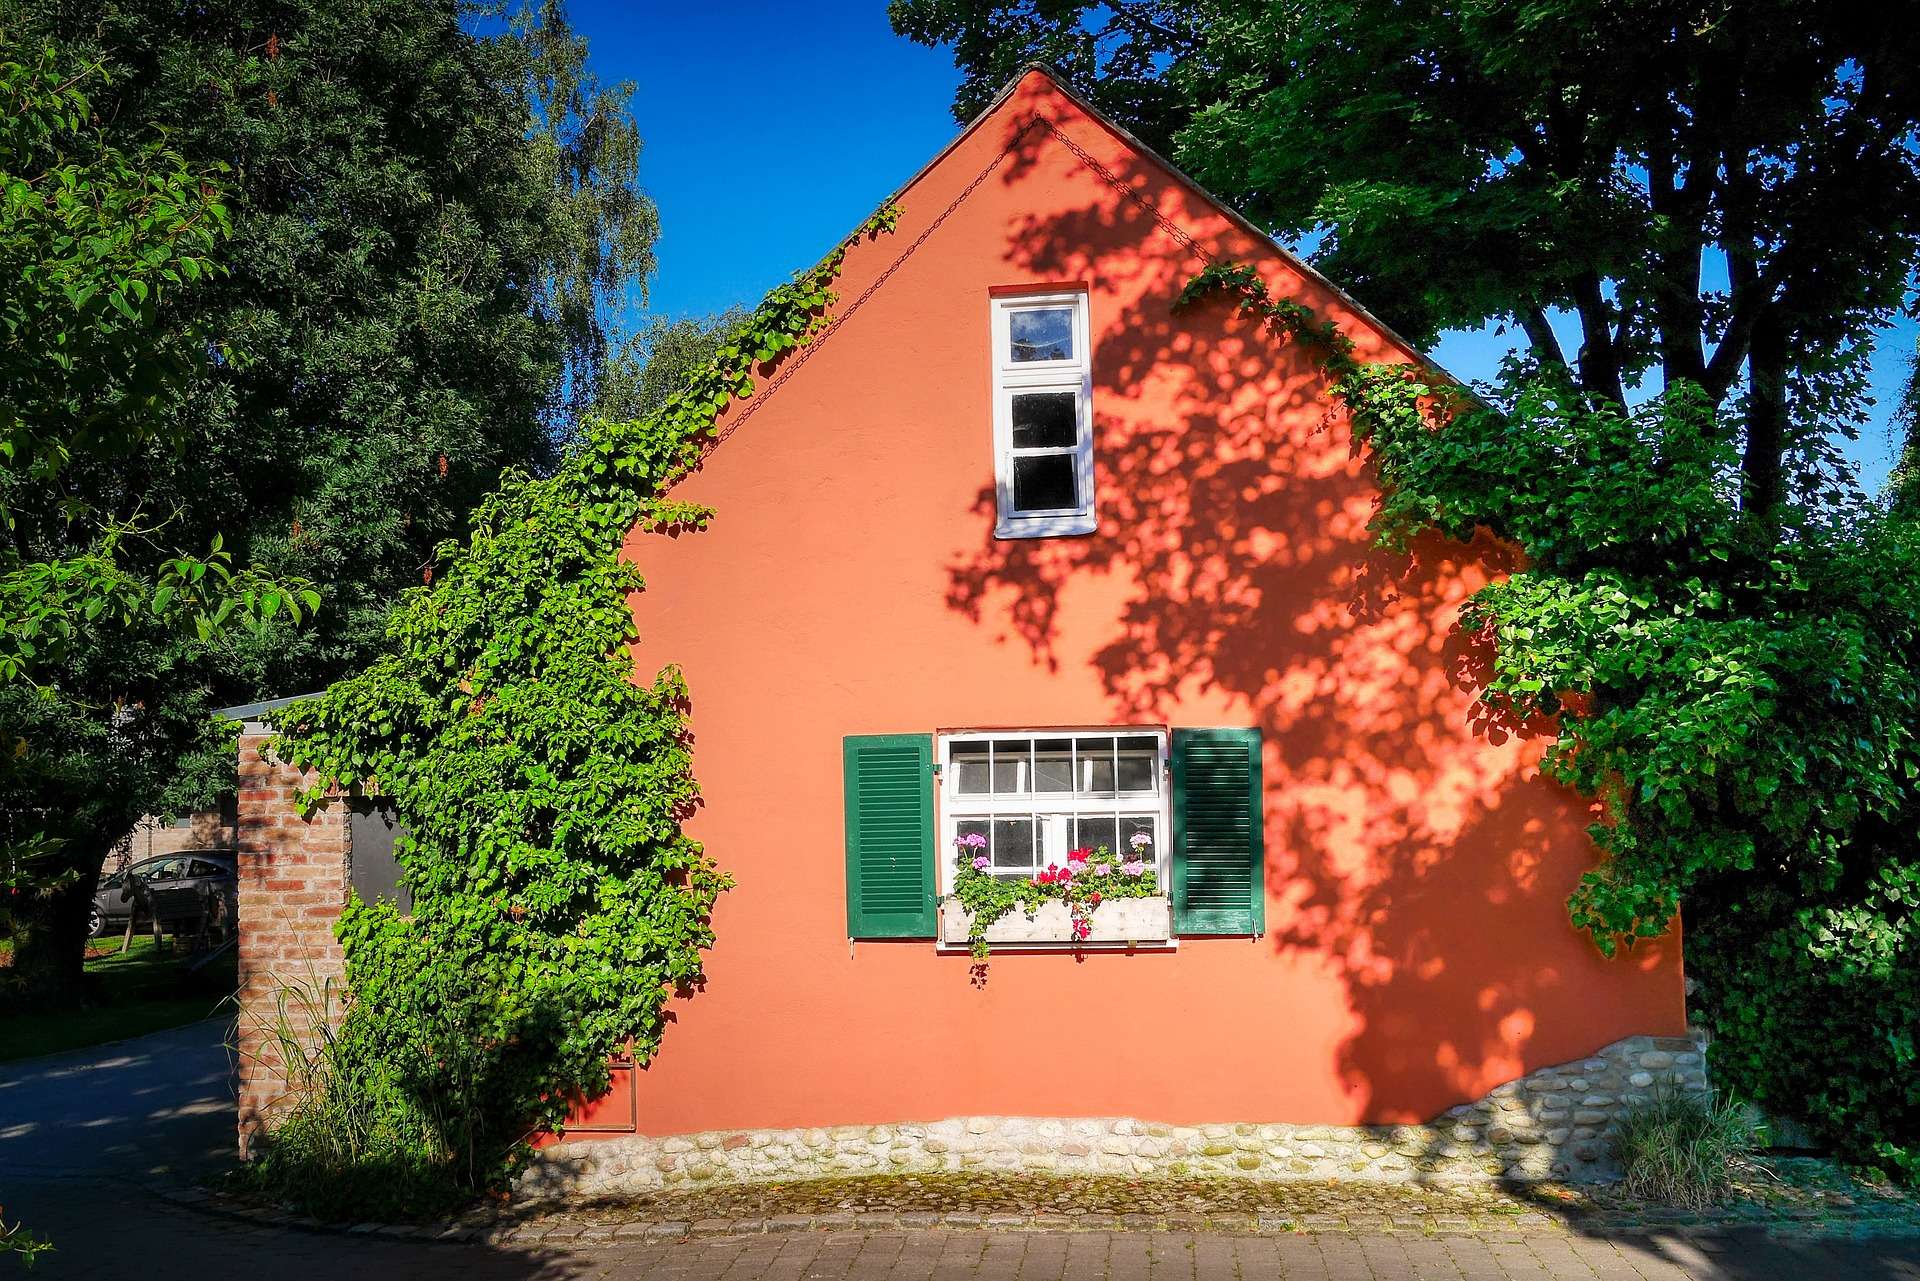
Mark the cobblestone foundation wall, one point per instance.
(1552, 1124)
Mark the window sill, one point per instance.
(1045, 526)
(1125, 920)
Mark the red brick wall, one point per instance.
(293, 881)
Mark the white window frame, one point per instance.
(955, 807)
(1011, 377)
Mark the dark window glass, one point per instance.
(1053, 765)
(1095, 834)
(1011, 764)
(1044, 483)
(1045, 420)
(1139, 765)
(1013, 843)
(970, 773)
(1096, 765)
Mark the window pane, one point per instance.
(1098, 833)
(1012, 766)
(1041, 333)
(1045, 420)
(970, 827)
(1044, 482)
(1095, 773)
(1013, 844)
(1053, 765)
(1133, 824)
(1139, 765)
(970, 776)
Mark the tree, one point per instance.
(656, 361)
(436, 219)
(91, 373)
(1727, 196)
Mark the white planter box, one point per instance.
(1117, 920)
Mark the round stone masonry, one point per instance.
(1553, 1124)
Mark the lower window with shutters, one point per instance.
(1027, 801)
(1184, 804)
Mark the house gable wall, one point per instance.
(1417, 950)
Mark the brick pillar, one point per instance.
(293, 882)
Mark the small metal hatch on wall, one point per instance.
(372, 870)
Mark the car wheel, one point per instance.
(96, 923)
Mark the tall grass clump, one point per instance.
(379, 1125)
(1680, 1149)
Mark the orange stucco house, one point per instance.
(1022, 552)
(1018, 560)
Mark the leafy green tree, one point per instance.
(659, 359)
(1727, 196)
(91, 377)
(436, 223)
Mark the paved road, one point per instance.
(82, 1135)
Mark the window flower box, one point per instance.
(1115, 920)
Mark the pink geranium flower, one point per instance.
(982, 863)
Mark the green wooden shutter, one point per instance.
(889, 836)
(1218, 845)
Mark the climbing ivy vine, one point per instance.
(1741, 696)
(556, 901)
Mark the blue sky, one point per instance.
(772, 129)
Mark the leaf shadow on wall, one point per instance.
(1412, 849)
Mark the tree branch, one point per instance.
(1599, 361)
(1546, 343)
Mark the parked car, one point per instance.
(211, 870)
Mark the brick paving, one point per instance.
(106, 1232)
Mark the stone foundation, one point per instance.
(1552, 1124)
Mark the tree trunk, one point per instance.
(1762, 467)
(50, 950)
(50, 946)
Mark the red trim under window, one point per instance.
(1040, 287)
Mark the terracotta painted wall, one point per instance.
(1417, 949)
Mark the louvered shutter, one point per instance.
(889, 781)
(1218, 847)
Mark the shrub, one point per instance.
(1679, 1149)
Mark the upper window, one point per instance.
(1042, 415)
(1036, 796)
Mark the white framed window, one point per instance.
(1042, 415)
(1036, 794)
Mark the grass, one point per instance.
(1680, 1150)
(144, 991)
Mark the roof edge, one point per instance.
(1180, 176)
(1232, 215)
